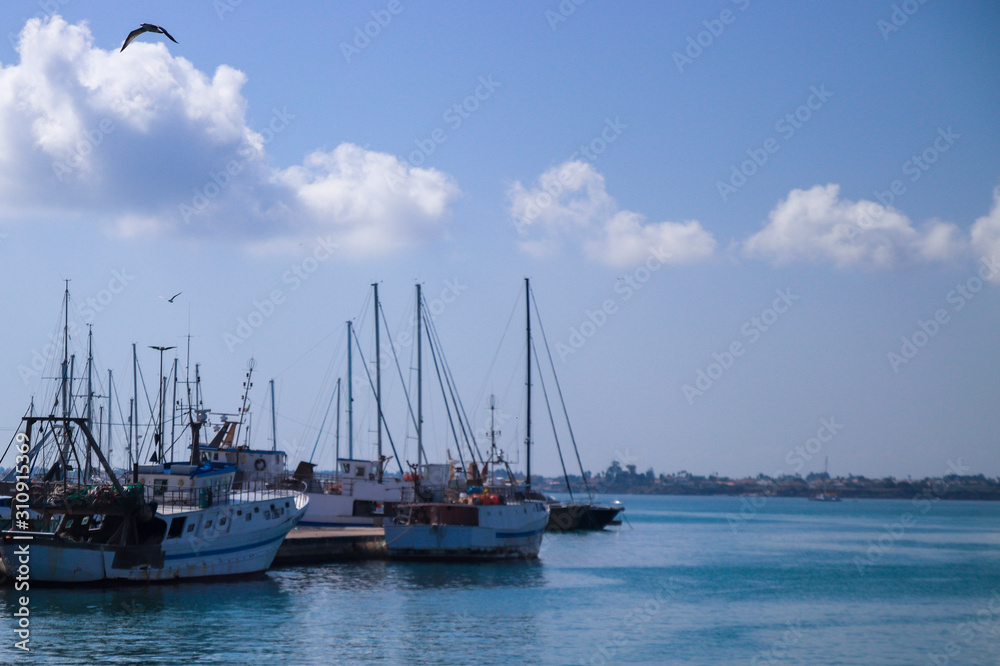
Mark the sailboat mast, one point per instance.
(135, 408)
(110, 389)
(420, 384)
(173, 413)
(90, 389)
(65, 362)
(350, 398)
(378, 382)
(337, 436)
(527, 436)
(274, 423)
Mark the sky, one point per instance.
(760, 236)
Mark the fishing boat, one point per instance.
(172, 522)
(454, 512)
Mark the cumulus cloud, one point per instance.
(817, 225)
(570, 204)
(986, 237)
(146, 143)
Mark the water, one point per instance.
(693, 580)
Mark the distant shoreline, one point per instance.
(947, 488)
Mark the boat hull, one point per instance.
(243, 547)
(503, 532)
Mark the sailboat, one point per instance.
(572, 515)
(456, 513)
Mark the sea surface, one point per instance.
(686, 580)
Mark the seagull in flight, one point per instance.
(146, 27)
(171, 299)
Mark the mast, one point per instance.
(527, 437)
(247, 385)
(337, 436)
(350, 399)
(173, 413)
(378, 383)
(162, 395)
(134, 410)
(110, 389)
(90, 389)
(65, 362)
(274, 424)
(420, 385)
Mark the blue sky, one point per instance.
(743, 222)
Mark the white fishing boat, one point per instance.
(172, 522)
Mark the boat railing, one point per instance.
(238, 493)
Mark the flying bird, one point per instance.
(146, 27)
(171, 299)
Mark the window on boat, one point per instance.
(359, 471)
(176, 527)
(191, 527)
(222, 521)
(159, 486)
(208, 523)
(346, 467)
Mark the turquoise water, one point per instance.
(686, 581)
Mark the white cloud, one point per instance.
(816, 225)
(570, 204)
(145, 143)
(986, 236)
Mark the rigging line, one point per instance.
(455, 395)
(569, 425)
(380, 416)
(454, 434)
(395, 358)
(319, 434)
(548, 407)
(489, 371)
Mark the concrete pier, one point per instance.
(317, 545)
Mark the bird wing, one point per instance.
(167, 34)
(132, 35)
(171, 299)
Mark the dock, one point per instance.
(318, 545)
